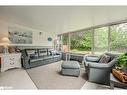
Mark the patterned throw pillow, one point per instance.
(104, 59)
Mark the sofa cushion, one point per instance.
(42, 52)
(70, 65)
(33, 56)
(47, 57)
(54, 52)
(32, 53)
(104, 59)
(36, 59)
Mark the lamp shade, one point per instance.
(5, 40)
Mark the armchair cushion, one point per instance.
(95, 65)
(104, 59)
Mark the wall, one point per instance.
(61, 19)
(38, 40)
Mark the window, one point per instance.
(81, 42)
(101, 40)
(58, 43)
(65, 41)
(118, 40)
(112, 38)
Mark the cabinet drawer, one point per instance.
(9, 61)
(5, 61)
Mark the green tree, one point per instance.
(82, 42)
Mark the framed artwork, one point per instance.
(20, 35)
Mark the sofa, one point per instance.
(73, 57)
(37, 57)
(99, 72)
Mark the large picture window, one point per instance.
(81, 42)
(118, 34)
(101, 40)
(109, 38)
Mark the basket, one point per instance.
(122, 76)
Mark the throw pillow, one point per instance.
(104, 59)
(42, 53)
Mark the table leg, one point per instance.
(111, 85)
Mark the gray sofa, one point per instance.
(73, 57)
(37, 57)
(99, 72)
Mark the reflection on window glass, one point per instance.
(101, 40)
(118, 41)
(81, 42)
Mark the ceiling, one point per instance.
(61, 19)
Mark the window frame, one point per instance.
(92, 29)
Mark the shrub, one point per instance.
(122, 60)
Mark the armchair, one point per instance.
(99, 72)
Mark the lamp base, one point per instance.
(5, 50)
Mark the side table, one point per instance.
(115, 81)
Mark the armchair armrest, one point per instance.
(102, 65)
(91, 58)
(26, 59)
(98, 65)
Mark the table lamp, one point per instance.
(5, 42)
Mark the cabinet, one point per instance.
(9, 61)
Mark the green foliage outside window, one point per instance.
(65, 39)
(101, 39)
(119, 37)
(81, 42)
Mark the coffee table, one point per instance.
(115, 82)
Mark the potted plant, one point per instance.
(122, 62)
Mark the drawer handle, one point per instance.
(11, 58)
(11, 63)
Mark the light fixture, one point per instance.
(5, 42)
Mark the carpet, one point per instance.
(49, 77)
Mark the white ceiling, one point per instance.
(60, 19)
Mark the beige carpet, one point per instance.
(49, 77)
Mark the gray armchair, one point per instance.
(99, 72)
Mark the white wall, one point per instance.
(61, 19)
(38, 40)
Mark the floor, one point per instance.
(50, 77)
(19, 79)
(94, 86)
(16, 79)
